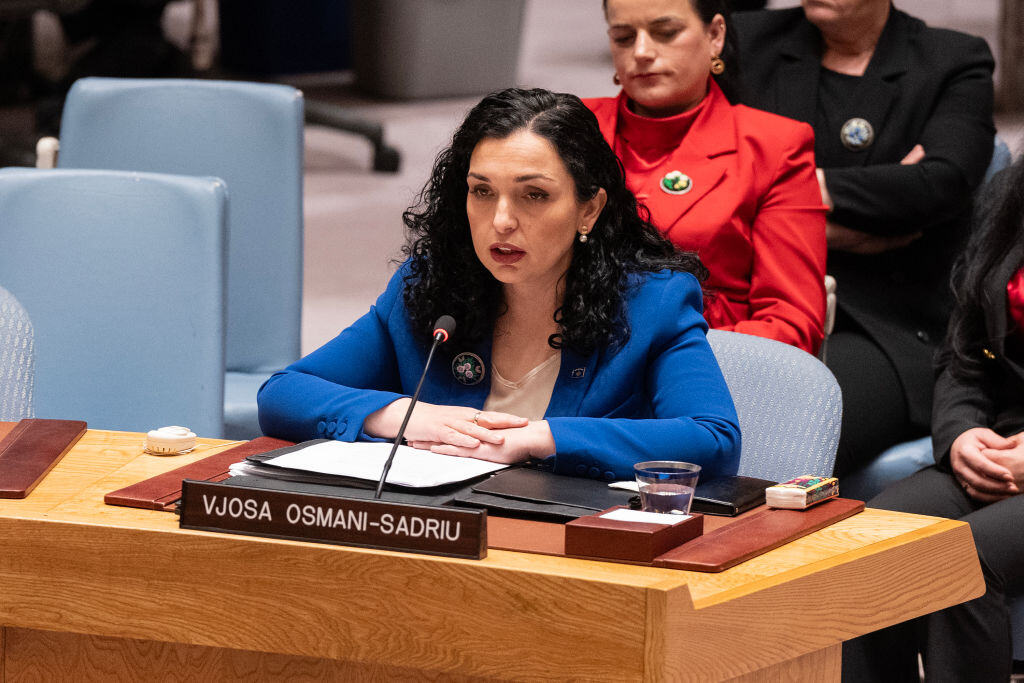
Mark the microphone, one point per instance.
(443, 329)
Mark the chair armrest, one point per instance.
(46, 152)
(830, 304)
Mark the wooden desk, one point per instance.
(95, 592)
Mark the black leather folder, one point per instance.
(729, 495)
(726, 495)
(524, 483)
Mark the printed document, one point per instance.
(365, 460)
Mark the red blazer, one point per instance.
(753, 212)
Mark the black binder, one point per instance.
(725, 495)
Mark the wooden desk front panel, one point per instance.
(315, 601)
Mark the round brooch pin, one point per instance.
(468, 368)
(857, 134)
(676, 182)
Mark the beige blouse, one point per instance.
(529, 397)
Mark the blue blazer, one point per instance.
(659, 396)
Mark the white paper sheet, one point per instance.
(624, 515)
(365, 460)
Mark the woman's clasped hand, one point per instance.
(989, 467)
(457, 430)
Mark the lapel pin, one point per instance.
(857, 134)
(468, 368)
(676, 182)
(578, 373)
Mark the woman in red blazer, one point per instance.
(736, 185)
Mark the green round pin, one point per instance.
(676, 182)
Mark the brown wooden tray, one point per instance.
(727, 541)
(163, 491)
(755, 535)
(30, 449)
(6, 427)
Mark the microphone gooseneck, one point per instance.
(443, 329)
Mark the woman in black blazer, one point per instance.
(902, 115)
(978, 436)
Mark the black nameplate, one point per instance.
(454, 532)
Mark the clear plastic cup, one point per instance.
(666, 485)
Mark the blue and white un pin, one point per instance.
(857, 134)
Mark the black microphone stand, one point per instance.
(440, 336)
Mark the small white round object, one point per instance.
(170, 440)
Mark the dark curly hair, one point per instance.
(999, 223)
(729, 80)
(446, 277)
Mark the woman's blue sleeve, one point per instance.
(330, 392)
(694, 417)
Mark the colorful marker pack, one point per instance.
(802, 492)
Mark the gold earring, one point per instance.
(583, 234)
(717, 65)
(615, 79)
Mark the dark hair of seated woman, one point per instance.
(1000, 217)
(446, 277)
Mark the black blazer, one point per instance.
(996, 398)
(923, 85)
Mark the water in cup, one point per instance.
(673, 498)
(666, 485)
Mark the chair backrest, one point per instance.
(17, 359)
(247, 134)
(1001, 158)
(123, 277)
(789, 405)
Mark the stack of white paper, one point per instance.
(365, 460)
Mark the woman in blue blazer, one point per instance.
(580, 338)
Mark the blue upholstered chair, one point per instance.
(17, 359)
(251, 136)
(123, 277)
(895, 463)
(1001, 158)
(789, 405)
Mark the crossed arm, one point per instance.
(842, 238)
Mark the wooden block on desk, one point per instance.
(162, 491)
(31, 449)
(6, 427)
(752, 536)
(612, 539)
